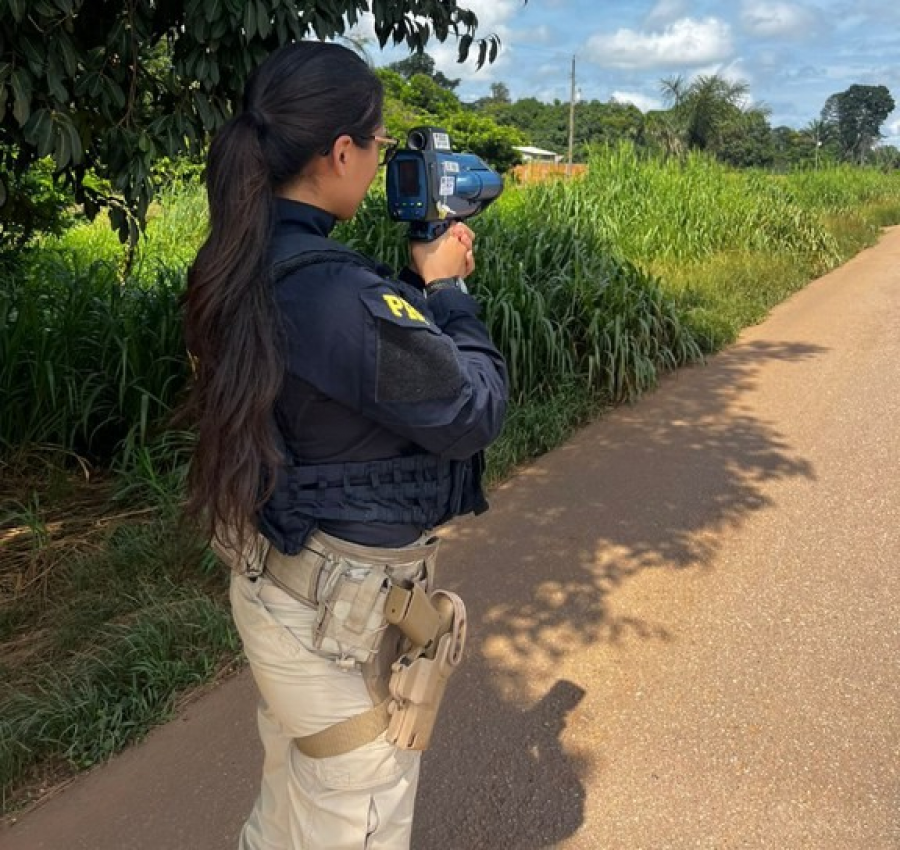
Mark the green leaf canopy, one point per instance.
(110, 86)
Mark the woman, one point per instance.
(341, 414)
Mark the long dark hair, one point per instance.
(296, 104)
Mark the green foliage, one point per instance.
(35, 201)
(709, 113)
(565, 307)
(886, 157)
(113, 87)
(746, 141)
(654, 209)
(422, 63)
(854, 118)
(419, 101)
(541, 125)
(105, 691)
(713, 114)
(86, 359)
(424, 94)
(482, 136)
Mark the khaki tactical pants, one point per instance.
(362, 800)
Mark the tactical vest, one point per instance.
(420, 489)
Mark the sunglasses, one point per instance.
(388, 146)
(386, 143)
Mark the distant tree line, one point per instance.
(710, 114)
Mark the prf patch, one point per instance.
(385, 304)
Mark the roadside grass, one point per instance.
(110, 609)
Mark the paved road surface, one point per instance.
(686, 627)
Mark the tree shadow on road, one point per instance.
(653, 486)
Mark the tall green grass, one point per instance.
(111, 688)
(655, 210)
(566, 307)
(725, 245)
(89, 361)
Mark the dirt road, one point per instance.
(685, 626)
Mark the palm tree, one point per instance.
(662, 135)
(702, 108)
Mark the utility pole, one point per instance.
(571, 120)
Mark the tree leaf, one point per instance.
(465, 44)
(67, 50)
(263, 24)
(38, 131)
(203, 108)
(75, 143)
(62, 153)
(482, 52)
(43, 8)
(21, 86)
(249, 20)
(113, 92)
(34, 56)
(54, 81)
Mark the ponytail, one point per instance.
(232, 335)
(303, 97)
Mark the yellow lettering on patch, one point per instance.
(413, 313)
(400, 307)
(395, 303)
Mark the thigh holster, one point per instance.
(377, 612)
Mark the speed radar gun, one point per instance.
(430, 186)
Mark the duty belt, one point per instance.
(301, 576)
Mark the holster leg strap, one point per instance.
(346, 736)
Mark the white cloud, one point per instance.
(665, 12)
(776, 20)
(642, 101)
(683, 43)
(536, 35)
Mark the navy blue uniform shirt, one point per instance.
(375, 371)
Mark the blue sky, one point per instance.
(793, 55)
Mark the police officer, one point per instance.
(341, 413)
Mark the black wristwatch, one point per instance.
(445, 283)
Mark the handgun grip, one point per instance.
(417, 684)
